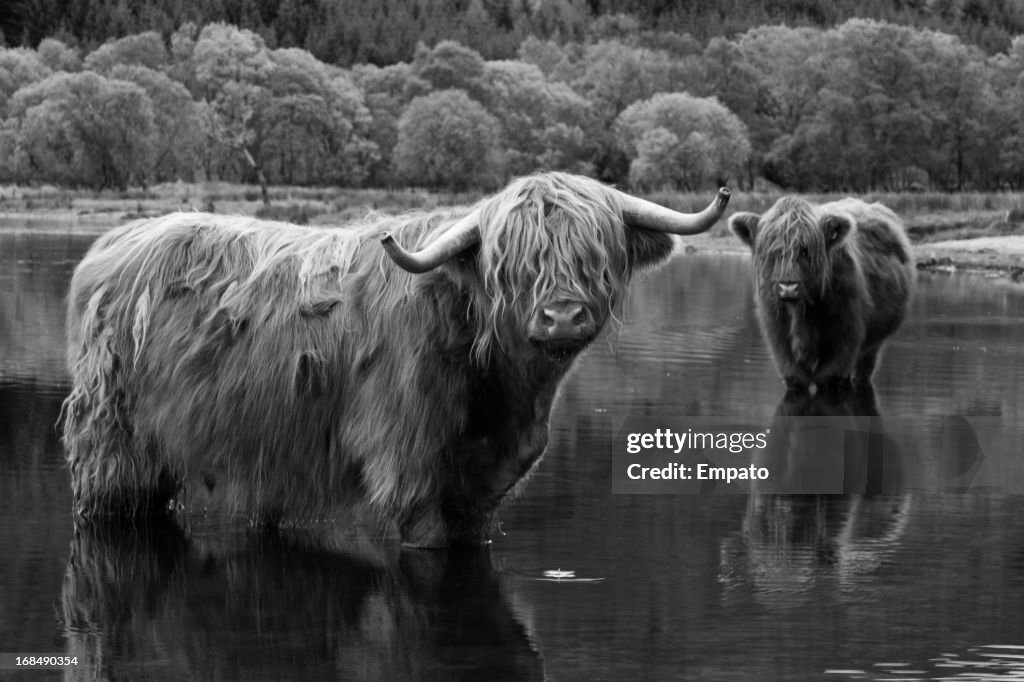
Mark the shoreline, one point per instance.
(996, 255)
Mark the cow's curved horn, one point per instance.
(647, 215)
(457, 238)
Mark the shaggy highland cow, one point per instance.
(832, 283)
(302, 369)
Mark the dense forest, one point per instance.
(923, 94)
(383, 32)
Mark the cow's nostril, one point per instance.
(564, 320)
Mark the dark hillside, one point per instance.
(346, 32)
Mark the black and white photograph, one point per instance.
(561, 340)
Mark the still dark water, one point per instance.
(923, 581)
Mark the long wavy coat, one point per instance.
(832, 283)
(297, 369)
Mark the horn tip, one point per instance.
(724, 194)
(393, 249)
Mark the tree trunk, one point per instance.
(259, 175)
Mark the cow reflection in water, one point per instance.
(792, 544)
(152, 602)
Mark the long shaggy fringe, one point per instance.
(549, 237)
(298, 367)
(791, 246)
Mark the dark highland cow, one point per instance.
(832, 283)
(303, 369)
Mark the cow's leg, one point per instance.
(471, 524)
(112, 471)
(424, 527)
(518, 461)
(491, 469)
(789, 348)
(471, 518)
(835, 375)
(470, 514)
(866, 365)
(795, 374)
(839, 349)
(141, 498)
(157, 497)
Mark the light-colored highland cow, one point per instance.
(301, 369)
(832, 283)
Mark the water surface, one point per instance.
(912, 582)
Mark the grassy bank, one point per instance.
(967, 231)
(297, 204)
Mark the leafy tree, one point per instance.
(879, 74)
(57, 56)
(678, 140)
(227, 69)
(865, 105)
(785, 65)
(450, 65)
(314, 125)
(613, 75)
(386, 92)
(546, 55)
(83, 129)
(183, 45)
(730, 77)
(446, 140)
(544, 125)
(963, 108)
(18, 68)
(177, 122)
(143, 49)
(224, 54)
(891, 100)
(1007, 73)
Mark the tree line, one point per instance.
(383, 32)
(865, 105)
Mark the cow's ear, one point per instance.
(647, 249)
(744, 226)
(835, 226)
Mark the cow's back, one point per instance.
(879, 243)
(261, 356)
(199, 336)
(166, 256)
